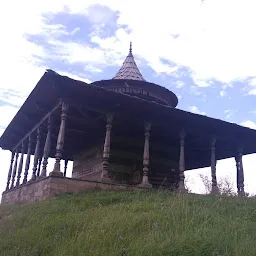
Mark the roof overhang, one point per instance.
(166, 121)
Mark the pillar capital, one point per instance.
(64, 107)
(240, 151)
(109, 118)
(182, 134)
(147, 126)
(213, 142)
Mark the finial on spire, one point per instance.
(130, 51)
(129, 69)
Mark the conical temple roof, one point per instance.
(129, 69)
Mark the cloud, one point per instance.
(251, 88)
(75, 76)
(99, 14)
(202, 44)
(179, 84)
(195, 110)
(249, 124)
(222, 93)
(7, 113)
(229, 113)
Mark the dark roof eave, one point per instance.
(177, 117)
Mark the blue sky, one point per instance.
(204, 51)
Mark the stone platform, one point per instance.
(50, 186)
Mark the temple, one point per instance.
(121, 133)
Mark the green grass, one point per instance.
(130, 223)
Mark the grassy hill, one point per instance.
(130, 223)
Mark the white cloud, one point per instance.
(201, 82)
(195, 110)
(252, 82)
(202, 44)
(7, 113)
(92, 69)
(251, 88)
(74, 76)
(179, 84)
(252, 91)
(208, 46)
(249, 124)
(222, 93)
(229, 113)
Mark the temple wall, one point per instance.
(88, 164)
(124, 164)
(49, 187)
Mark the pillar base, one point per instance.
(56, 174)
(145, 182)
(24, 182)
(145, 185)
(241, 193)
(182, 189)
(215, 190)
(106, 180)
(33, 178)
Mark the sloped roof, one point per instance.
(129, 69)
(167, 121)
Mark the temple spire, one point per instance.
(129, 69)
(130, 51)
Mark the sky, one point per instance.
(202, 50)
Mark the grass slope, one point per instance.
(130, 223)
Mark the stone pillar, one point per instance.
(145, 180)
(181, 187)
(240, 173)
(20, 165)
(65, 167)
(47, 147)
(215, 189)
(10, 172)
(36, 155)
(60, 141)
(15, 167)
(106, 150)
(27, 164)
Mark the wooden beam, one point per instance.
(38, 124)
(82, 113)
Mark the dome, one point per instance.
(129, 80)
